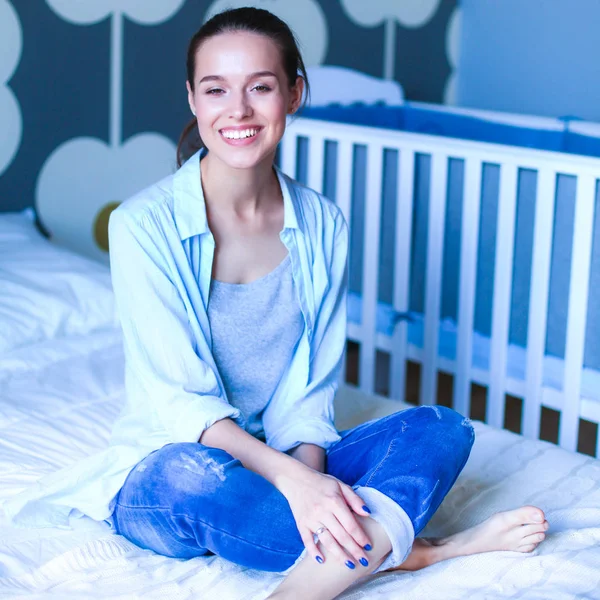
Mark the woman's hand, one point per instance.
(319, 500)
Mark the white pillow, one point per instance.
(15, 226)
(47, 291)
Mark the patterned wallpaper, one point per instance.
(92, 93)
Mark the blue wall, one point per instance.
(531, 56)
(55, 74)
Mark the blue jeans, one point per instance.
(187, 499)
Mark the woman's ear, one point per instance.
(296, 95)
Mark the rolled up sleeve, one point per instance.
(309, 418)
(164, 371)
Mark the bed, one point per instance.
(78, 379)
(61, 387)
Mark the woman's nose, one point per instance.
(240, 106)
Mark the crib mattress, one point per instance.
(59, 398)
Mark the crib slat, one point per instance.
(505, 234)
(371, 267)
(343, 195)
(343, 178)
(403, 237)
(316, 161)
(538, 300)
(468, 271)
(578, 300)
(435, 245)
(289, 151)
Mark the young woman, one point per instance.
(230, 280)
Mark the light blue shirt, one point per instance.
(162, 252)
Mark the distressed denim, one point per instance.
(186, 500)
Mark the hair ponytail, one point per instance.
(189, 142)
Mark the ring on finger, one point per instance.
(317, 533)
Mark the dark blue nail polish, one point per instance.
(350, 564)
(364, 562)
(366, 509)
(319, 559)
(368, 547)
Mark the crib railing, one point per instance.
(568, 401)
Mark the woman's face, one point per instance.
(241, 97)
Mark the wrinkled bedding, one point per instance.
(59, 397)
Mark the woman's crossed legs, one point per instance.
(186, 500)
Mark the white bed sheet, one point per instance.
(59, 398)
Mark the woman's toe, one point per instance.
(507, 519)
(525, 514)
(527, 548)
(536, 515)
(533, 539)
(526, 530)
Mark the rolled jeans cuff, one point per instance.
(395, 522)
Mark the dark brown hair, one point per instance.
(254, 20)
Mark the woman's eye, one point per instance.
(214, 91)
(262, 88)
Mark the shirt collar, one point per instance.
(189, 207)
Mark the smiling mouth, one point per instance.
(239, 134)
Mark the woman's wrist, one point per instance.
(295, 471)
(254, 454)
(276, 467)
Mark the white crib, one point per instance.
(568, 401)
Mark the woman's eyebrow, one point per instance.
(262, 74)
(212, 78)
(252, 76)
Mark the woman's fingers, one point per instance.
(351, 524)
(344, 538)
(319, 500)
(354, 501)
(309, 544)
(336, 551)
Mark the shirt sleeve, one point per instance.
(163, 369)
(309, 419)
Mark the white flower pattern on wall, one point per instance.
(85, 178)
(11, 123)
(453, 53)
(409, 13)
(305, 18)
(85, 12)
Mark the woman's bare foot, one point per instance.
(515, 530)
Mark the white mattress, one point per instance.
(57, 402)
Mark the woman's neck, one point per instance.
(243, 192)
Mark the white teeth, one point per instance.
(237, 134)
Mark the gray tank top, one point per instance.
(255, 329)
